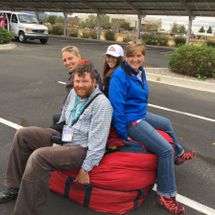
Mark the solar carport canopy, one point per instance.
(142, 7)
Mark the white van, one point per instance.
(25, 26)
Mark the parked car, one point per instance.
(25, 26)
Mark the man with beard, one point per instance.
(86, 116)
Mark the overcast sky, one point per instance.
(198, 22)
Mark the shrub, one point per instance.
(149, 39)
(93, 35)
(89, 34)
(128, 38)
(73, 32)
(197, 61)
(210, 43)
(179, 41)
(5, 36)
(85, 34)
(57, 30)
(110, 35)
(162, 40)
(158, 40)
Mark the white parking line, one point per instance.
(195, 205)
(9, 123)
(183, 113)
(61, 82)
(184, 200)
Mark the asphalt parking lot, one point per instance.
(31, 93)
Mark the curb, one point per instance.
(86, 39)
(7, 46)
(106, 41)
(153, 74)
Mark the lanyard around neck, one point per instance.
(75, 113)
(85, 107)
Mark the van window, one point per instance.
(8, 15)
(28, 19)
(14, 18)
(1, 15)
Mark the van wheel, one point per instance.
(43, 41)
(22, 37)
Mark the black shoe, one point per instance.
(8, 194)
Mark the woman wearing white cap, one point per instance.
(114, 56)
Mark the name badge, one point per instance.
(67, 134)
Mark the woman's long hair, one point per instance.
(108, 71)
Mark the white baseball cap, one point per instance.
(115, 50)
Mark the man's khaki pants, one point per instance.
(31, 160)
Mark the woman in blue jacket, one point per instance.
(128, 93)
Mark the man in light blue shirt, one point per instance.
(86, 116)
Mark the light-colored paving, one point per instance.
(7, 46)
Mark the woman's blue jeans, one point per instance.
(145, 131)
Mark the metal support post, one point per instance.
(189, 31)
(139, 16)
(98, 27)
(65, 23)
(37, 14)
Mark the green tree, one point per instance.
(174, 29)
(178, 29)
(83, 24)
(52, 19)
(182, 29)
(202, 30)
(125, 25)
(152, 27)
(91, 21)
(105, 22)
(209, 31)
(59, 19)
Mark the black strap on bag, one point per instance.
(68, 184)
(139, 195)
(87, 189)
(87, 105)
